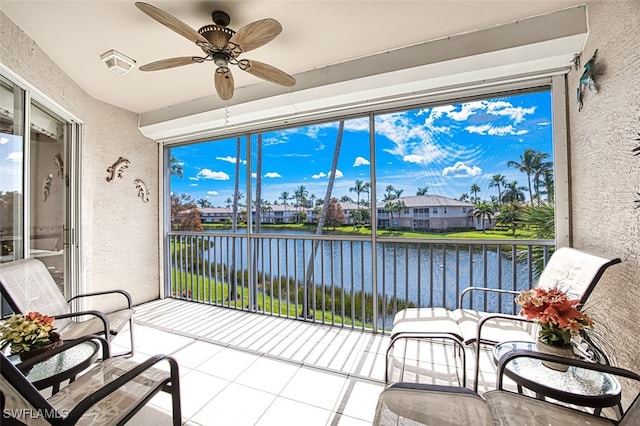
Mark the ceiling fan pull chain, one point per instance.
(226, 116)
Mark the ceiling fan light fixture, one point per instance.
(220, 59)
(117, 62)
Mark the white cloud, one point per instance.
(468, 109)
(274, 141)
(193, 184)
(544, 123)
(461, 170)
(213, 193)
(272, 175)
(209, 174)
(15, 156)
(192, 178)
(488, 129)
(231, 160)
(360, 161)
(4, 140)
(339, 174)
(254, 175)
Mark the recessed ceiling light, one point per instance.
(117, 62)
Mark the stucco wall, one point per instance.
(605, 175)
(119, 231)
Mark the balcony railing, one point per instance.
(346, 281)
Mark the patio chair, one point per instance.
(110, 393)
(571, 270)
(423, 404)
(27, 286)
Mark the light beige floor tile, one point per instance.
(370, 365)
(315, 387)
(196, 390)
(286, 412)
(359, 399)
(196, 353)
(228, 363)
(238, 405)
(344, 420)
(268, 375)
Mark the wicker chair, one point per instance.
(569, 269)
(422, 404)
(27, 286)
(110, 393)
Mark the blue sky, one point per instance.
(447, 148)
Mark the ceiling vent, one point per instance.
(117, 62)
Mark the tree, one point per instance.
(175, 167)
(464, 197)
(496, 181)
(229, 202)
(335, 215)
(530, 160)
(542, 169)
(203, 202)
(483, 211)
(185, 215)
(345, 199)
(513, 192)
(359, 187)
(284, 196)
(391, 200)
(549, 184)
(423, 191)
(509, 216)
(474, 190)
(300, 195)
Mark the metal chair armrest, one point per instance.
(100, 315)
(468, 290)
(102, 293)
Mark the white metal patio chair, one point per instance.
(571, 270)
(422, 404)
(27, 286)
(110, 393)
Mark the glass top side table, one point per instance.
(577, 385)
(61, 366)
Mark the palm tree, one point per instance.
(541, 169)
(175, 167)
(483, 211)
(306, 307)
(464, 197)
(474, 190)
(203, 202)
(300, 195)
(549, 184)
(423, 191)
(359, 188)
(496, 181)
(529, 161)
(229, 202)
(391, 200)
(284, 196)
(513, 192)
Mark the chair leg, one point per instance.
(175, 393)
(132, 340)
(476, 370)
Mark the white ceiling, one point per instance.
(316, 34)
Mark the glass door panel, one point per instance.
(47, 201)
(11, 171)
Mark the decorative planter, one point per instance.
(56, 341)
(563, 351)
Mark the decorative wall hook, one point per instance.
(143, 192)
(587, 79)
(47, 186)
(117, 168)
(59, 165)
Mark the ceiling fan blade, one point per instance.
(223, 80)
(269, 73)
(173, 23)
(256, 34)
(169, 63)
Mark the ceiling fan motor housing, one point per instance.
(217, 35)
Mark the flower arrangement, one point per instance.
(27, 332)
(558, 316)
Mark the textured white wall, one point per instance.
(605, 175)
(119, 231)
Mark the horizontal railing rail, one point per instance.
(331, 279)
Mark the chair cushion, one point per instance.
(494, 331)
(426, 320)
(437, 406)
(508, 408)
(116, 406)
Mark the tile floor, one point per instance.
(239, 368)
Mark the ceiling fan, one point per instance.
(223, 46)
